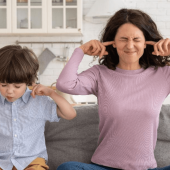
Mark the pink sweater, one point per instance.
(129, 105)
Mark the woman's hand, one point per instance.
(162, 47)
(95, 47)
(40, 90)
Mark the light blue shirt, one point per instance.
(22, 125)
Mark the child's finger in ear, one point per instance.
(32, 94)
(39, 90)
(34, 84)
(34, 91)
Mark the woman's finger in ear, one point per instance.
(108, 43)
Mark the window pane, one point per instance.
(3, 18)
(71, 2)
(36, 18)
(57, 18)
(22, 18)
(57, 2)
(36, 2)
(22, 2)
(2, 2)
(71, 18)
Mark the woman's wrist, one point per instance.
(82, 47)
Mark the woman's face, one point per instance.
(130, 43)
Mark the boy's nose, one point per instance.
(9, 90)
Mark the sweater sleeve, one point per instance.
(78, 84)
(166, 72)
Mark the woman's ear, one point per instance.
(145, 45)
(114, 45)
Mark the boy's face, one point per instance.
(12, 91)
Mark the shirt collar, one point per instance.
(24, 97)
(3, 99)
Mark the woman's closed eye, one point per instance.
(136, 40)
(123, 39)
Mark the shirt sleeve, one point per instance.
(78, 84)
(49, 108)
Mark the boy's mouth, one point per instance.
(9, 98)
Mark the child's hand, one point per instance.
(40, 90)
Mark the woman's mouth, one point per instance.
(130, 52)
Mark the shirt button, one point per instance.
(15, 135)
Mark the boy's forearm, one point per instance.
(66, 110)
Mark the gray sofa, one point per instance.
(76, 140)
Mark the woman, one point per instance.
(131, 83)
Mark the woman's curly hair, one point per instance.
(144, 22)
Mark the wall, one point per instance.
(157, 9)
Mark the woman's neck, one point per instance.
(129, 67)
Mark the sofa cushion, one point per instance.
(73, 140)
(162, 150)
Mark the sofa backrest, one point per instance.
(73, 140)
(162, 150)
(76, 140)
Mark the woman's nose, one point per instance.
(130, 44)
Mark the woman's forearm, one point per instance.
(79, 84)
(68, 76)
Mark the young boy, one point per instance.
(23, 112)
